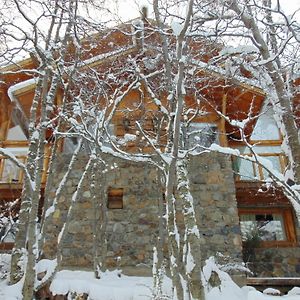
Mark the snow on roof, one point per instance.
(21, 85)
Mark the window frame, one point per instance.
(258, 172)
(288, 221)
(197, 131)
(113, 196)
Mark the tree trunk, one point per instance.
(19, 250)
(173, 237)
(192, 246)
(99, 199)
(290, 128)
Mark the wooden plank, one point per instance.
(274, 281)
(6, 247)
(223, 135)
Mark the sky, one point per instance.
(129, 9)
(126, 10)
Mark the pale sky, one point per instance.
(130, 9)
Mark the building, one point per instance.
(239, 215)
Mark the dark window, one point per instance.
(201, 134)
(115, 198)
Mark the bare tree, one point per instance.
(48, 49)
(166, 63)
(272, 60)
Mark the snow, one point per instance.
(45, 265)
(127, 138)
(242, 49)
(226, 150)
(294, 291)
(49, 211)
(190, 262)
(271, 291)
(113, 285)
(176, 27)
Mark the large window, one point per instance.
(250, 170)
(268, 226)
(9, 172)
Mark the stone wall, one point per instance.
(213, 190)
(132, 231)
(276, 262)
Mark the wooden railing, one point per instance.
(9, 172)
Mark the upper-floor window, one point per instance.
(201, 134)
(15, 134)
(271, 156)
(9, 171)
(266, 127)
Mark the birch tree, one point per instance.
(48, 49)
(274, 64)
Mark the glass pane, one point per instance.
(263, 227)
(7, 230)
(248, 227)
(267, 149)
(275, 160)
(11, 173)
(202, 134)
(16, 134)
(246, 169)
(272, 229)
(260, 149)
(266, 127)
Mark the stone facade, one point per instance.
(133, 230)
(276, 262)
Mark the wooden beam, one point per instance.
(223, 135)
(273, 281)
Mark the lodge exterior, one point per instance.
(229, 193)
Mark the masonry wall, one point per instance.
(132, 231)
(277, 261)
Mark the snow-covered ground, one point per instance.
(115, 286)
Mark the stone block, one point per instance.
(86, 194)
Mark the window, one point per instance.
(115, 198)
(270, 226)
(9, 213)
(267, 227)
(250, 170)
(266, 127)
(201, 134)
(9, 172)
